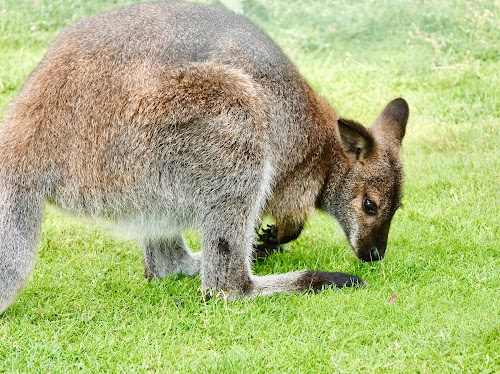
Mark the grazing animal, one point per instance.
(161, 117)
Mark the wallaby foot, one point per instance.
(165, 256)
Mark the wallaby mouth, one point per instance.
(372, 254)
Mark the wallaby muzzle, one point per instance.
(372, 254)
(374, 249)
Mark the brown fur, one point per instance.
(159, 117)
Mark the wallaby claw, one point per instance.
(268, 243)
(268, 235)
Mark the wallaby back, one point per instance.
(163, 116)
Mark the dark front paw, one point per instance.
(268, 235)
(263, 251)
(318, 280)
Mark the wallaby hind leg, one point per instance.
(226, 268)
(164, 256)
(21, 211)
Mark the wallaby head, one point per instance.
(365, 199)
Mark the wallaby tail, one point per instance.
(301, 281)
(21, 211)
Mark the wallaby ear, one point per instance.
(356, 141)
(391, 124)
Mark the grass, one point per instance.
(434, 304)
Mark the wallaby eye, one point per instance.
(369, 206)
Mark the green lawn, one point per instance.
(434, 303)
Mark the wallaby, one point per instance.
(161, 117)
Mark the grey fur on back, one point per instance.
(179, 33)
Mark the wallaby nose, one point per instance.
(374, 254)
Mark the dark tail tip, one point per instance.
(318, 280)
